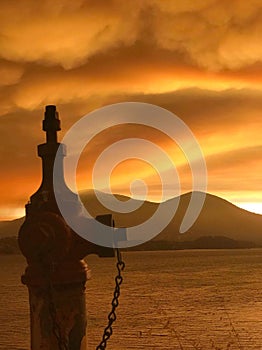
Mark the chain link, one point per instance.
(108, 331)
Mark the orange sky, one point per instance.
(200, 59)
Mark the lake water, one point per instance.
(169, 300)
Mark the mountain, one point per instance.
(220, 223)
(218, 217)
(10, 228)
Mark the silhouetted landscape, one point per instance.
(220, 225)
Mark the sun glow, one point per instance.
(253, 207)
(11, 213)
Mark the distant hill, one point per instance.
(208, 242)
(10, 228)
(9, 245)
(217, 218)
(219, 225)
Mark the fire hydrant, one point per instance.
(56, 273)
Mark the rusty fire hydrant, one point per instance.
(56, 273)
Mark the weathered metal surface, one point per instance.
(69, 303)
(56, 274)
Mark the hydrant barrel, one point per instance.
(56, 274)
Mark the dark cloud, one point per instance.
(199, 59)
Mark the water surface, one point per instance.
(186, 300)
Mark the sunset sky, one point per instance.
(200, 59)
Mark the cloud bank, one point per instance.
(200, 59)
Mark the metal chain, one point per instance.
(108, 331)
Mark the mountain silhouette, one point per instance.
(10, 228)
(218, 218)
